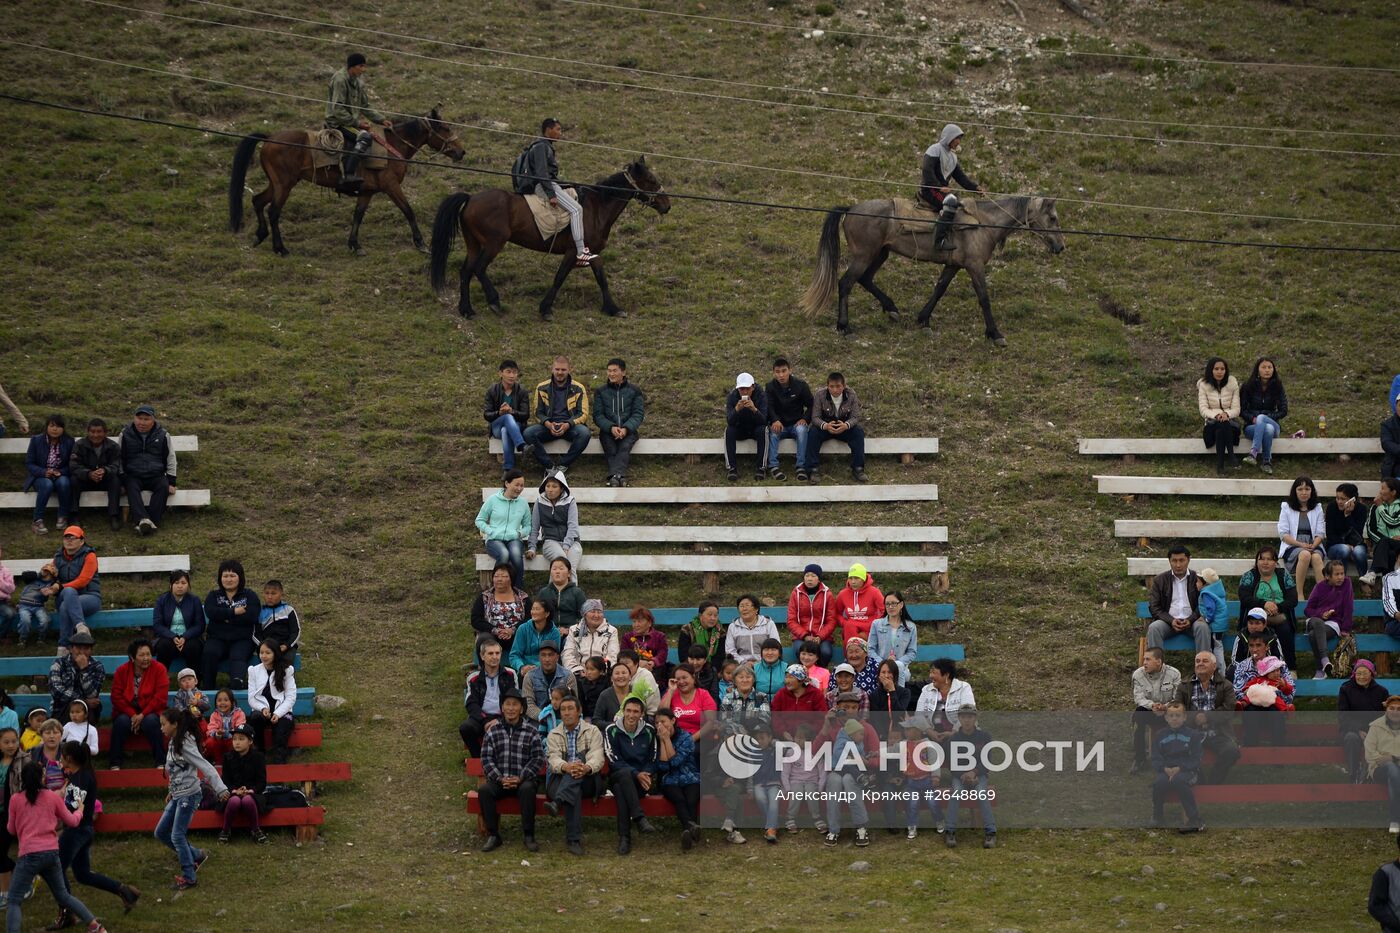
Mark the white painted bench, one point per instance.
(1225, 566)
(153, 563)
(1134, 528)
(695, 447)
(711, 565)
(761, 534)
(183, 443)
(188, 498)
(1147, 446)
(740, 494)
(1197, 486)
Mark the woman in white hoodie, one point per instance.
(1302, 532)
(745, 637)
(272, 696)
(554, 524)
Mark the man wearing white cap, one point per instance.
(746, 418)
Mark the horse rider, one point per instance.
(543, 168)
(348, 110)
(940, 169)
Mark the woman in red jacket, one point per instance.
(859, 604)
(812, 612)
(140, 691)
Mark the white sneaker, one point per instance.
(862, 837)
(727, 827)
(587, 256)
(1394, 828)
(939, 827)
(1369, 579)
(913, 833)
(792, 826)
(1320, 675)
(736, 837)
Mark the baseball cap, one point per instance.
(843, 668)
(73, 531)
(146, 410)
(743, 381)
(185, 672)
(1258, 613)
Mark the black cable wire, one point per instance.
(741, 202)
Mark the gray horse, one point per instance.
(874, 230)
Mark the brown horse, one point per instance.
(287, 159)
(873, 232)
(492, 218)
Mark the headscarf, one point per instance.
(590, 604)
(947, 158)
(1360, 663)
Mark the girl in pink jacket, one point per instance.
(33, 820)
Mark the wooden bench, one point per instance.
(183, 444)
(1193, 530)
(187, 498)
(1200, 486)
(152, 563)
(693, 448)
(762, 534)
(712, 565)
(1149, 446)
(305, 819)
(24, 702)
(1225, 566)
(304, 735)
(740, 494)
(308, 775)
(38, 665)
(922, 612)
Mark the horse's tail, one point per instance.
(449, 214)
(828, 254)
(241, 157)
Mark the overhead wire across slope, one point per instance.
(714, 199)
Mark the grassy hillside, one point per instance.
(337, 400)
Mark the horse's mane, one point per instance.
(609, 186)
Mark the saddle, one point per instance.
(917, 217)
(549, 218)
(330, 149)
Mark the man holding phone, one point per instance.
(836, 414)
(746, 418)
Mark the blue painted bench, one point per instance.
(38, 666)
(926, 653)
(922, 612)
(1364, 609)
(24, 702)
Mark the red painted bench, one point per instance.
(1289, 793)
(304, 735)
(304, 774)
(305, 819)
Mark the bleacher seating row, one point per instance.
(694, 447)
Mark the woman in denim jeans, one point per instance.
(184, 766)
(33, 819)
(1263, 405)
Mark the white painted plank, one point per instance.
(184, 443)
(732, 563)
(153, 563)
(762, 534)
(1117, 446)
(1225, 566)
(1199, 486)
(740, 495)
(190, 498)
(676, 446)
(1130, 528)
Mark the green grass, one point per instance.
(336, 399)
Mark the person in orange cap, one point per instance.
(78, 590)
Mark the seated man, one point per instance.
(843, 681)
(841, 729)
(789, 414)
(544, 677)
(1256, 623)
(575, 753)
(561, 410)
(485, 687)
(512, 758)
(1176, 759)
(1257, 645)
(1383, 756)
(96, 464)
(148, 465)
(507, 412)
(618, 409)
(1208, 692)
(836, 414)
(1154, 686)
(967, 742)
(631, 749)
(77, 676)
(746, 418)
(1172, 602)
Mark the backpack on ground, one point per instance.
(281, 796)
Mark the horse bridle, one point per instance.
(645, 198)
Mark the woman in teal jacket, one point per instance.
(504, 523)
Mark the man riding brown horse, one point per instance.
(940, 169)
(348, 110)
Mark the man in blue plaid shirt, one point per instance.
(512, 757)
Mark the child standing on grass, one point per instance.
(12, 761)
(767, 781)
(75, 845)
(799, 778)
(184, 766)
(218, 731)
(245, 773)
(32, 722)
(78, 729)
(33, 819)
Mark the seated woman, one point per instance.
(1218, 400)
(1346, 528)
(653, 651)
(812, 612)
(178, 621)
(1263, 405)
(891, 699)
(231, 612)
(866, 667)
(1383, 530)
(743, 704)
(499, 610)
(49, 472)
(678, 764)
(1359, 700)
(525, 647)
(504, 523)
(140, 692)
(1270, 587)
(1329, 614)
(705, 630)
(272, 697)
(694, 709)
(745, 636)
(609, 703)
(554, 524)
(808, 654)
(1302, 532)
(894, 635)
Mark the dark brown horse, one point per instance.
(490, 219)
(873, 232)
(287, 159)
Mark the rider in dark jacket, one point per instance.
(940, 170)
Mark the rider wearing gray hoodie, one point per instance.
(940, 170)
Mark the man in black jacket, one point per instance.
(790, 413)
(96, 464)
(507, 412)
(148, 465)
(486, 687)
(542, 177)
(746, 418)
(1384, 903)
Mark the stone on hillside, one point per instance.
(858, 866)
(1148, 871)
(328, 701)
